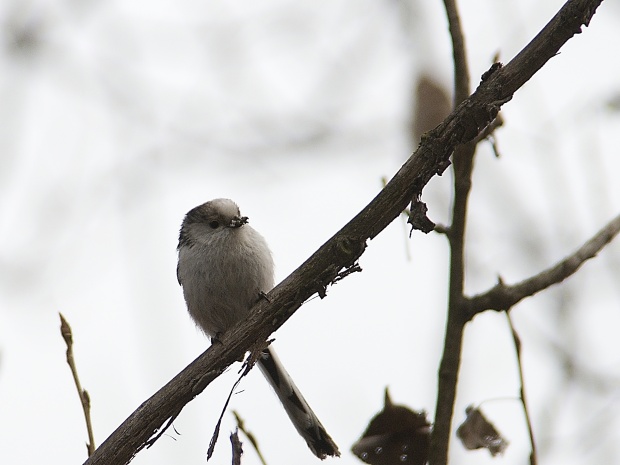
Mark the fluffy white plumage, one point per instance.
(224, 266)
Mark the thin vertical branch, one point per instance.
(526, 412)
(462, 162)
(67, 335)
(237, 448)
(459, 53)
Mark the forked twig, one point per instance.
(503, 296)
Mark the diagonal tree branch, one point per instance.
(503, 296)
(348, 244)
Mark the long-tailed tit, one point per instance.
(224, 266)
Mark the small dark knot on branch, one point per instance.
(487, 74)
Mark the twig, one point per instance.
(503, 297)
(216, 431)
(67, 335)
(248, 364)
(160, 432)
(489, 131)
(250, 436)
(459, 53)
(526, 412)
(237, 449)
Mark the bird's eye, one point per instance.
(214, 224)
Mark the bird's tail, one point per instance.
(298, 410)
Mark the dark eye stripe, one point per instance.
(214, 224)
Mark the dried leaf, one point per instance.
(477, 432)
(396, 435)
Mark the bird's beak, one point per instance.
(237, 221)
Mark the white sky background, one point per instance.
(121, 116)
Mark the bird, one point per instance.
(224, 267)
